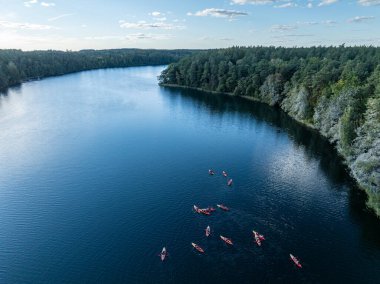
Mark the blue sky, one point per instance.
(100, 24)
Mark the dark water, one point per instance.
(99, 170)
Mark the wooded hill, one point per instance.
(17, 66)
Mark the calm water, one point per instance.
(99, 170)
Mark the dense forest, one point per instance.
(17, 66)
(333, 89)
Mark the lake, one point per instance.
(100, 169)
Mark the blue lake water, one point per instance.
(100, 169)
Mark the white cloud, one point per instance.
(59, 17)
(221, 13)
(286, 5)
(10, 39)
(156, 14)
(283, 28)
(131, 37)
(145, 26)
(369, 2)
(311, 23)
(141, 36)
(254, 2)
(283, 36)
(310, 5)
(299, 35)
(163, 19)
(45, 4)
(30, 3)
(208, 38)
(24, 26)
(108, 37)
(327, 2)
(329, 22)
(360, 19)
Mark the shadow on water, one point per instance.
(315, 145)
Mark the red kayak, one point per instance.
(208, 210)
(208, 231)
(229, 183)
(196, 209)
(201, 211)
(221, 206)
(258, 238)
(211, 172)
(226, 240)
(296, 261)
(198, 248)
(224, 173)
(163, 254)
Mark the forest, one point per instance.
(335, 90)
(18, 66)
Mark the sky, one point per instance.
(172, 24)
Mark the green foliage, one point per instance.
(347, 130)
(17, 66)
(272, 88)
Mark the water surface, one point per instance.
(99, 170)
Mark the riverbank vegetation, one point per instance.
(17, 66)
(333, 89)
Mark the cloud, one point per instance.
(221, 13)
(60, 17)
(329, 22)
(360, 19)
(208, 38)
(283, 28)
(313, 23)
(10, 39)
(145, 26)
(310, 5)
(24, 26)
(156, 14)
(286, 5)
(254, 2)
(45, 4)
(310, 23)
(131, 37)
(369, 2)
(327, 2)
(30, 3)
(300, 35)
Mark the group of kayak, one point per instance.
(258, 238)
(210, 209)
(207, 211)
(224, 173)
(201, 250)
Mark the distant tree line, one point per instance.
(17, 66)
(333, 89)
